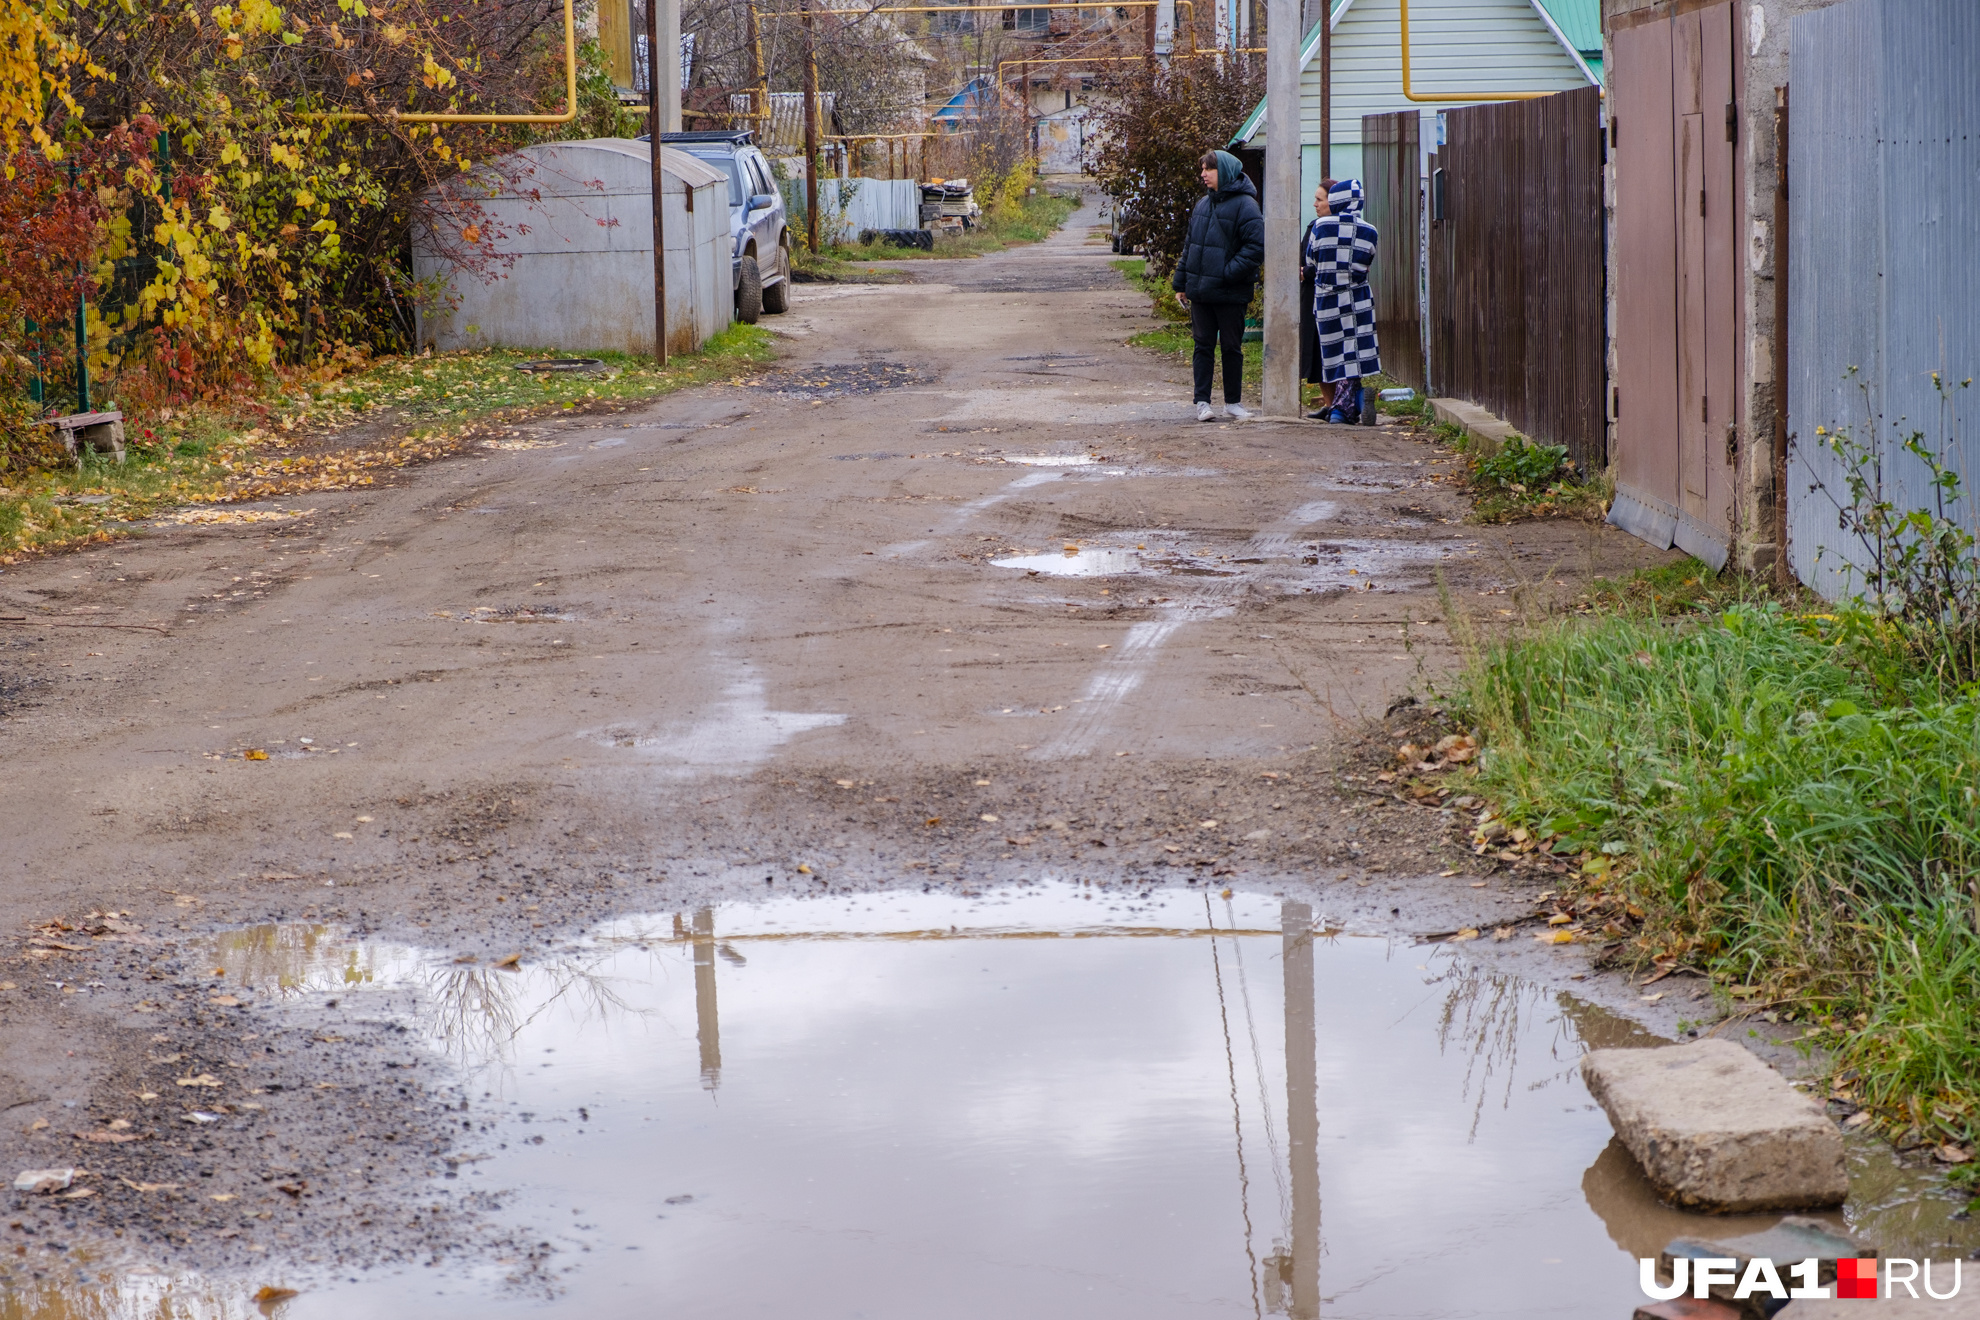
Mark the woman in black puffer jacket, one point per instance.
(1216, 275)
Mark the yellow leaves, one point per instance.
(394, 35)
(433, 75)
(285, 155)
(305, 198)
(472, 234)
(231, 153)
(218, 218)
(33, 56)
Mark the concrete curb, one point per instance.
(1473, 420)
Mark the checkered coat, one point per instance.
(1338, 251)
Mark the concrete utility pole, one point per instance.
(1281, 206)
(810, 129)
(1302, 1101)
(655, 117)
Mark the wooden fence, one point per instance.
(1516, 273)
(1392, 177)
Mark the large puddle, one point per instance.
(1054, 1101)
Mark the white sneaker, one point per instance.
(1237, 412)
(1203, 413)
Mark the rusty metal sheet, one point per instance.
(1646, 241)
(1718, 431)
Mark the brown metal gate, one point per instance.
(1392, 176)
(1516, 271)
(1677, 399)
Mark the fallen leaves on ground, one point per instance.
(228, 517)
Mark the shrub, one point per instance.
(1520, 462)
(1150, 125)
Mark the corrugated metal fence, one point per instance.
(1516, 280)
(1884, 260)
(1391, 175)
(866, 204)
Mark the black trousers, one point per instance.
(1214, 324)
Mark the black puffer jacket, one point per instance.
(1226, 245)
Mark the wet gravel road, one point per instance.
(954, 593)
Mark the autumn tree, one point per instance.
(1151, 123)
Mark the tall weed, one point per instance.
(1795, 798)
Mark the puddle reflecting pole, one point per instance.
(1302, 1108)
(707, 1027)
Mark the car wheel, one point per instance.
(777, 298)
(749, 293)
(1117, 244)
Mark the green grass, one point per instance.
(417, 408)
(454, 386)
(1034, 220)
(1791, 800)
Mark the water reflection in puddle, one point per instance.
(1052, 460)
(1084, 562)
(1047, 1101)
(1289, 564)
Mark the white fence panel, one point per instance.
(868, 204)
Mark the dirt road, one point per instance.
(954, 593)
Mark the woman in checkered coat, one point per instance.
(1339, 249)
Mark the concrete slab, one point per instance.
(1477, 423)
(1793, 1239)
(1716, 1129)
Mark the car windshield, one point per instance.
(738, 190)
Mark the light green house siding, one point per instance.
(1456, 46)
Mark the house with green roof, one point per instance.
(1461, 48)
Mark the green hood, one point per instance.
(1229, 170)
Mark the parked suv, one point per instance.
(762, 256)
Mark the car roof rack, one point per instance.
(741, 137)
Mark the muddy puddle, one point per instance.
(1053, 1100)
(1084, 562)
(1283, 562)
